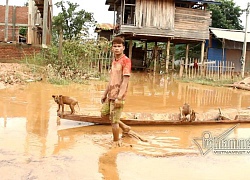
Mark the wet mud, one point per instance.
(34, 146)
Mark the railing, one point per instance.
(210, 69)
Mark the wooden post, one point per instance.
(165, 89)
(181, 68)
(155, 56)
(30, 23)
(130, 49)
(173, 58)
(244, 48)
(202, 58)
(45, 24)
(105, 62)
(167, 55)
(14, 24)
(145, 54)
(189, 75)
(223, 49)
(6, 21)
(218, 70)
(186, 57)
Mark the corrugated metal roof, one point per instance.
(229, 34)
(105, 26)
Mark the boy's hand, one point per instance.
(118, 103)
(103, 99)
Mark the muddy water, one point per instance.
(34, 146)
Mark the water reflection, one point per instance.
(165, 94)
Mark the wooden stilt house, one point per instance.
(170, 21)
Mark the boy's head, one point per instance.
(118, 40)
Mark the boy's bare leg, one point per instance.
(115, 131)
(125, 128)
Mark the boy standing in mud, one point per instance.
(114, 95)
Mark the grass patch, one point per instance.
(208, 82)
(58, 81)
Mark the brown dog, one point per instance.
(61, 100)
(187, 113)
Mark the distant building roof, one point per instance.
(104, 26)
(108, 2)
(202, 1)
(229, 34)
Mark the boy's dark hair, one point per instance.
(118, 40)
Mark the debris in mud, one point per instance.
(12, 74)
(243, 84)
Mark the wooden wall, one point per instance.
(160, 18)
(155, 13)
(192, 23)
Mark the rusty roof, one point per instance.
(104, 26)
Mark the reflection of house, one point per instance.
(225, 44)
(170, 21)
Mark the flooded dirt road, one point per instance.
(34, 146)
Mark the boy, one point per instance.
(117, 87)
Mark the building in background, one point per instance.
(161, 21)
(104, 30)
(29, 26)
(225, 45)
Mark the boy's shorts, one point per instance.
(108, 108)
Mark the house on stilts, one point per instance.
(160, 21)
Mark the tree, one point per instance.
(26, 3)
(226, 15)
(71, 22)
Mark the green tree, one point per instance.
(226, 15)
(73, 23)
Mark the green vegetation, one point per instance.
(226, 15)
(209, 82)
(74, 24)
(80, 61)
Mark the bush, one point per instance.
(80, 61)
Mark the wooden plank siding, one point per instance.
(155, 13)
(160, 18)
(192, 23)
(150, 31)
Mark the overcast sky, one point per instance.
(101, 13)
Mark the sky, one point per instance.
(102, 15)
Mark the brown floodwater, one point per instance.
(34, 146)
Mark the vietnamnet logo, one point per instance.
(222, 145)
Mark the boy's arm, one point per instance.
(104, 97)
(125, 80)
(123, 87)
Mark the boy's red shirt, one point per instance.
(120, 67)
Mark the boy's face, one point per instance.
(118, 49)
